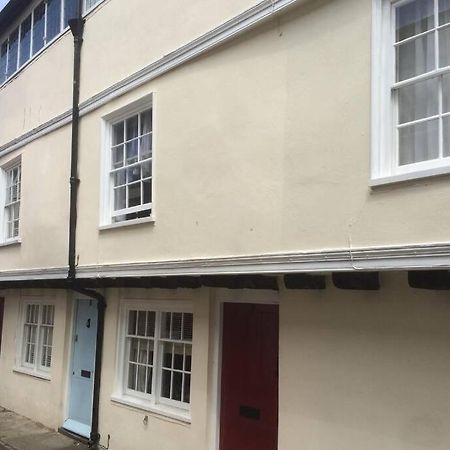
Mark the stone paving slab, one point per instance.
(19, 433)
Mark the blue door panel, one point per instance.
(82, 373)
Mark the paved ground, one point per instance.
(19, 433)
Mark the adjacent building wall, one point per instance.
(365, 370)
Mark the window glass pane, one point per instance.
(151, 317)
(146, 122)
(176, 326)
(188, 358)
(132, 321)
(165, 383)
(118, 133)
(147, 169)
(147, 191)
(13, 52)
(134, 344)
(70, 11)
(38, 28)
(145, 147)
(3, 61)
(132, 151)
(178, 356)
(25, 41)
(119, 198)
(134, 194)
(120, 178)
(117, 157)
(446, 130)
(187, 326)
(444, 11)
(415, 57)
(187, 389)
(53, 19)
(177, 384)
(165, 325)
(167, 355)
(142, 320)
(414, 18)
(419, 142)
(141, 379)
(132, 376)
(444, 47)
(132, 128)
(149, 380)
(89, 4)
(418, 100)
(446, 93)
(133, 174)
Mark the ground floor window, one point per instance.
(36, 344)
(156, 345)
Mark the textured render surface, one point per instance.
(39, 399)
(20, 433)
(365, 370)
(163, 433)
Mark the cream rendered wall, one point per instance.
(124, 424)
(365, 370)
(44, 204)
(264, 146)
(123, 37)
(41, 91)
(38, 399)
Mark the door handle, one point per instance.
(88, 323)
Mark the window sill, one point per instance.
(160, 410)
(126, 223)
(416, 175)
(10, 242)
(32, 373)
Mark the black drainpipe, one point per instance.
(77, 27)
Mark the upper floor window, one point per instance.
(45, 22)
(11, 180)
(128, 166)
(412, 72)
(12, 203)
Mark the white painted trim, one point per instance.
(31, 373)
(210, 40)
(406, 257)
(11, 242)
(420, 256)
(35, 369)
(127, 223)
(156, 410)
(106, 195)
(148, 402)
(52, 273)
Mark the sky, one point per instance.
(3, 3)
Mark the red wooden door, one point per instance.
(249, 397)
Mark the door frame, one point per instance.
(220, 297)
(70, 349)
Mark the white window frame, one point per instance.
(4, 240)
(150, 402)
(47, 43)
(35, 369)
(384, 167)
(106, 190)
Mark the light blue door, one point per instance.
(82, 373)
